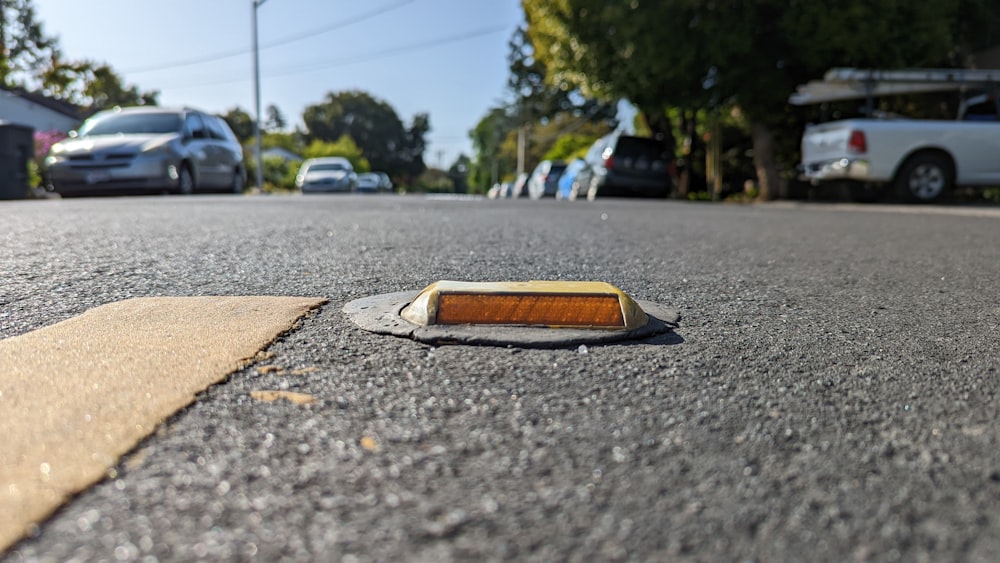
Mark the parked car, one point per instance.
(326, 174)
(519, 188)
(146, 149)
(368, 182)
(568, 178)
(625, 165)
(544, 179)
(922, 160)
(501, 190)
(385, 183)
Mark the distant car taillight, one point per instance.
(609, 162)
(857, 143)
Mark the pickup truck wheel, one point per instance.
(924, 179)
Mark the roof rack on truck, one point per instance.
(860, 83)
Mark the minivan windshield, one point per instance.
(131, 123)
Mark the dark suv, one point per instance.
(147, 149)
(625, 165)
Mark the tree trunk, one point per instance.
(768, 182)
(662, 130)
(684, 178)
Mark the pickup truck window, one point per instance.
(985, 110)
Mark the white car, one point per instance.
(326, 174)
(385, 183)
(368, 182)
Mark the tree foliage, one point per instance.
(376, 128)
(546, 111)
(92, 86)
(24, 47)
(275, 120)
(32, 60)
(535, 98)
(241, 122)
(491, 164)
(609, 50)
(344, 146)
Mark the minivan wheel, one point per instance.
(236, 186)
(185, 181)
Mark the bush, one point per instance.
(43, 142)
(279, 174)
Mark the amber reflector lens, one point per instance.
(530, 309)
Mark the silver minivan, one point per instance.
(146, 149)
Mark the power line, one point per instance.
(392, 51)
(366, 57)
(276, 43)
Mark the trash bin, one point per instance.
(17, 147)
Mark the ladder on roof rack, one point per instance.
(859, 83)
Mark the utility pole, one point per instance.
(256, 85)
(520, 150)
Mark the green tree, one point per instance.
(29, 59)
(459, 174)
(344, 146)
(412, 162)
(241, 122)
(376, 128)
(535, 98)
(291, 142)
(570, 146)
(24, 47)
(545, 110)
(275, 120)
(644, 52)
(491, 163)
(92, 86)
(542, 138)
(977, 26)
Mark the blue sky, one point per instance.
(443, 57)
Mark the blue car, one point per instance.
(565, 190)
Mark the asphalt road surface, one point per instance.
(831, 393)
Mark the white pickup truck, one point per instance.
(922, 160)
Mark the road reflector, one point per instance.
(555, 304)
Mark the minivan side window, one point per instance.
(218, 128)
(194, 127)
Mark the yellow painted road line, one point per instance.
(77, 395)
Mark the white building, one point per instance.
(37, 111)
